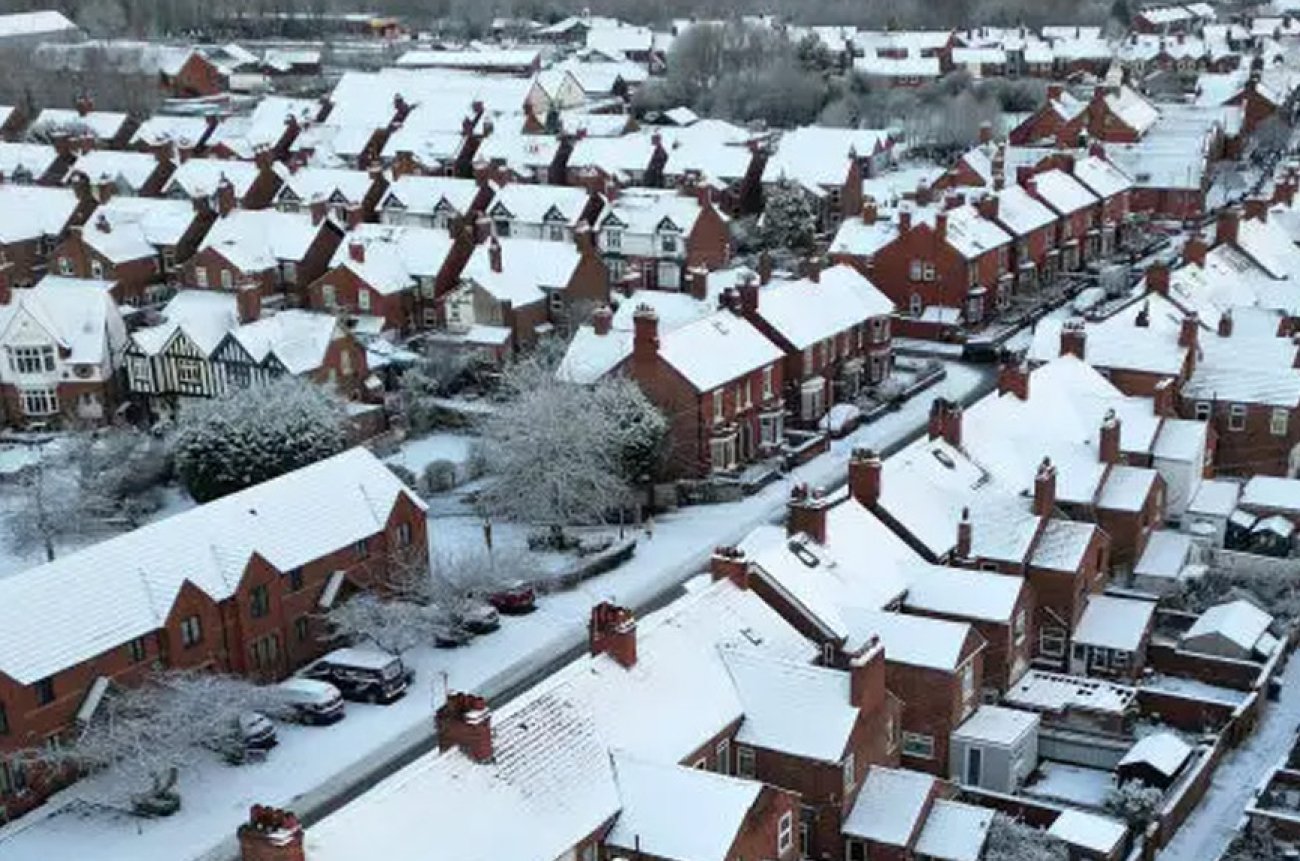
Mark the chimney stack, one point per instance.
(645, 337)
(356, 250)
(987, 206)
(1162, 398)
(986, 132)
(1045, 489)
(1227, 226)
(271, 834)
(225, 196)
(318, 212)
(1255, 208)
(1225, 323)
(465, 721)
(1013, 377)
(248, 302)
(1108, 445)
(697, 279)
(602, 320)
(729, 563)
(941, 226)
(965, 535)
(748, 292)
(1158, 278)
(764, 267)
(869, 211)
(1194, 251)
(812, 269)
(945, 421)
(1074, 339)
(904, 220)
(806, 513)
(867, 690)
(494, 254)
(865, 471)
(1189, 330)
(612, 631)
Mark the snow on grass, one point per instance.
(312, 764)
(417, 453)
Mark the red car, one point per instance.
(514, 600)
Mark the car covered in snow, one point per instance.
(309, 701)
(514, 599)
(363, 674)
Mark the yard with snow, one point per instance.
(312, 765)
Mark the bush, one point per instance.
(439, 476)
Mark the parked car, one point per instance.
(310, 701)
(515, 599)
(362, 674)
(250, 736)
(449, 634)
(479, 618)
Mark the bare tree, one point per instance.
(49, 508)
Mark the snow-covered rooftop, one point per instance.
(960, 592)
(717, 349)
(1239, 622)
(890, 806)
(67, 611)
(1110, 622)
(1088, 831)
(1057, 692)
(935, 644)
(1163, 751)
(954, 831)
(1271, 492)
(997, 725)
(819, 729)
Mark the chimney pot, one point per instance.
(602, 320)
(1108, 447)
(965, 535)
(612, 631)
(1045, 489)
(1189, 330)
(1013, 378)
(864, 477)
(494, 254)
(465, 721)
(1225, 323)
(729, 563)
(270, 834)
(806, 513)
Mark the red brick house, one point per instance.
(251, 184)
(1115, 114)
(192, 75)
(282, 252)
(394, 274)
(1078, 210)
(180, 609)
(134, 242)
(349, 196)
(126, 172)
(719, 381)
(945, 270)
(32, 220)
(834, 328)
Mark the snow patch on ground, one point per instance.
(1073, 783)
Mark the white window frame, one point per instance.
(1203, 411)
(201, 276)
(915, 270)
(32, 360)
(363, 300)
(915, 306)
(918, 745)
(191, 631)
(613, 239)
(40, 401)
(722, 756)
(227, 280)
(1237, 417)
(785, 833)
(745, 761)
(1020, 626)
(849, 769)
(1056, 637)
(719, 406)
(767, 383)
(97, 270)
(1278, 421)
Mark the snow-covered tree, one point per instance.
(49, 508)
(254, 434)
(563, 455)
(1012, 840)
(141, 738)
(1255, 843)
(392, 625)
(120, 474)
(1135, 802)
(788, 221)
(437, 374)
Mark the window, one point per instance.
(363, 299)
(13, 778)
(927, 272)
(295, 579)
(403, 535)
(4, 720)
(289, 272)
(301, 629)
(918, 745)
(855, 850)
(967, 682)
(188, 372)
(1277, 422)
(328, 298)
(44, 691)
(850, 773)
(767, 383)
(501, 227)
(39, 402)
(723, 756)
(555, 232)
(915, 270)
(1237, 417)
(717, 406)
(613, 239)
(227, 280)
(201, 277)
(785, 833)
(31, 360)
(1051, 642)
(770, 428)
(668, 244)
(191, 631)
(96, 270)
(1202, 411)
(744, 761)
(361, 549)
(345, 363)
(65, 266)
(743, 398)
(259, 602)
(265, 652)
(1019, 626)
(914, 305)
(138, 650)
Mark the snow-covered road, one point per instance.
(1213, 823)
(312, 767)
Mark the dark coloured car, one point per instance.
(363, 675)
